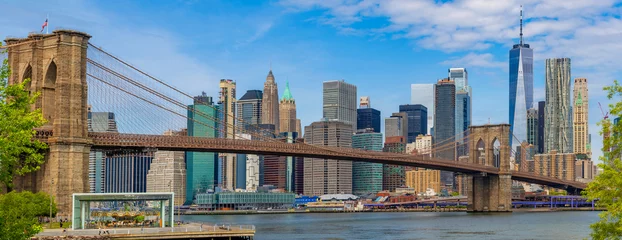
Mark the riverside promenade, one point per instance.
(187, 231)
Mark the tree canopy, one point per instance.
(19, 214)
(607, 187)
(19, 152)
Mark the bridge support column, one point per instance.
(56, 64)
(489, 193)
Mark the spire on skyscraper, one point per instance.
(521, 25)
(287, 95)
(270, 76)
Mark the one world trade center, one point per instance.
(521, 88)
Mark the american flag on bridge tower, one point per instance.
(45, 24)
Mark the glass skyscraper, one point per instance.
(368, 118)
(444, 117)
(424, 94)
(558, 115)
(463, 107)
(366, 177)
(521, 88)
(201, 167)
(417, 120)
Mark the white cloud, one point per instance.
(485, 60)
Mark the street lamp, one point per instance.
(50, 220)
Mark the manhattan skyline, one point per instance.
(377, 48)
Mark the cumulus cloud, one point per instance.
(485, 60)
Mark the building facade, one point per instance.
(367, 117)
(417, 117)
(558, 117)
(423, 145)
(580, 119)
(423, 179)
(463, 120)
(99, 122)
(584, 170)
(554, 164)
(270, 103)
(367, 177)
(201, 167)
(393, 176)
(126, 171)
(327, 176)
(339, 100)
(252, 172)
(521, 88)
(444, 130)
(396, 125)
(168, 174)
(424, 94)
(287, 112)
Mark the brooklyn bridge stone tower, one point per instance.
(270, 103)
(56, 64)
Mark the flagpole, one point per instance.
(47, 30)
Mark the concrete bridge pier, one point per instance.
(490, 193)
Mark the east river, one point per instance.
(413, 225)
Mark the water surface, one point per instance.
(413, 225)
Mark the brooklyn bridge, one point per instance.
(72, 74)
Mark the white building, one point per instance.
(423, 144)
(252, 172)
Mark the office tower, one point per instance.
(541, 112)
(340, 102)
(240, 164)
(327, 176)
(274, 171)
(252, 172)
(126, 171)
(249, 109)
(201, 167)
(532, 127)
(227, 105)
(367, 117)
(423, 179)
(298, 126)
(367, 177)
(424, 94)
(393, 176)
(287, 112)
(168, 174)
(396, 125)
(270, 103)
(99, 122)
(580, 121)
(463, 108)
(444, 130)
(558, 118)
(290, 162)
(299, 166)
(417, 117)
(521, 88)
(267, 131)
(554, 164)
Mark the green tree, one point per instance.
(19, 152)
(19, 214)
(607, 187)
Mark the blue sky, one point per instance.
(382, 46)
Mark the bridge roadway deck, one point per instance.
(198, 144)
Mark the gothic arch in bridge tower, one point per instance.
(495, 148)
(480, 147)
(49, 93)
(27, 75)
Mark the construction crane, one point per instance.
(605, 115)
